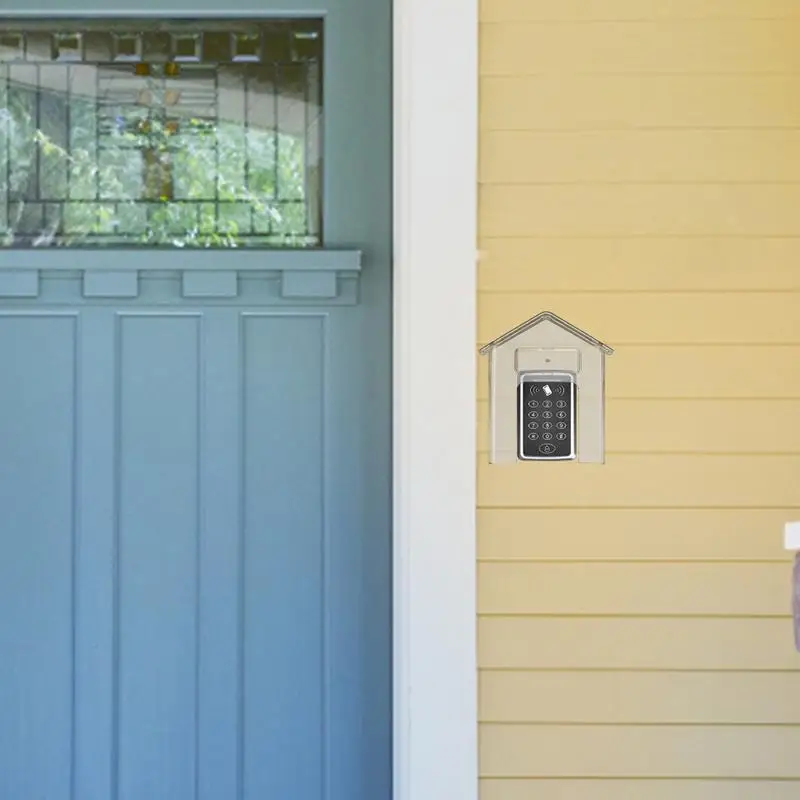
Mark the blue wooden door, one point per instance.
(194, 402)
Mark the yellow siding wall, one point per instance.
(640, 176)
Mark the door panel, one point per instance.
(157, 498)
(37, 498)
(195, 483)
(283, 583)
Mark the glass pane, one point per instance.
(160, 134)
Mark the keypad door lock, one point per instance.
(546, 393)
(546, 418)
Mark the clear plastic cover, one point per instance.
(552, 349)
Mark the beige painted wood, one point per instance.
(589, 10)
(608, 102)
(619, 534)
(653, 371)
(639, 750)
(742, 46)
(737, 318)
(622, 789)
(640, 176)
(641, 156)
(656, 209)
(690, 426)
(645, 480)
(661, 643)
(640, 588)
(639, 264)
(621, 697)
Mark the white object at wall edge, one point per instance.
(791, 536)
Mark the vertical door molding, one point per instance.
(435, 681)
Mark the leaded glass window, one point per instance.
(153, 133)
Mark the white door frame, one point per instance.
(436, 177)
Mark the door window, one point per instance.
(153, 133)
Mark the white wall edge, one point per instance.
(435, 240)
(791, 536)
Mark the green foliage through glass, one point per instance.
(216, 150)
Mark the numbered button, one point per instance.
(533, 404)
(533, 425)
(547, 436)
(547, 425)
(561, 404)
(561, 414)
(547, 404)
(561, 426)
(547, 415)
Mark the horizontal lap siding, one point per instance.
(640, 176)
(694, 426)
(696, 372)
(583, 11)
(612, 102)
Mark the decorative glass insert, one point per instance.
(155, 133)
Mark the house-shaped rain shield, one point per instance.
(546, 393)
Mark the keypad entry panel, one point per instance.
(546, 416)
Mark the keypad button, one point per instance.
(533, 436)
(561, 437)
(547, 436)
(561, 404)
(547, 404)
(533, 404)
(533, 425)
(547, 425)
(547, 415)
(561, 426)
(547, 449)
(561, 414)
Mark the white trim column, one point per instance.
(435, 681)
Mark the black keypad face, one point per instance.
(545, 418)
